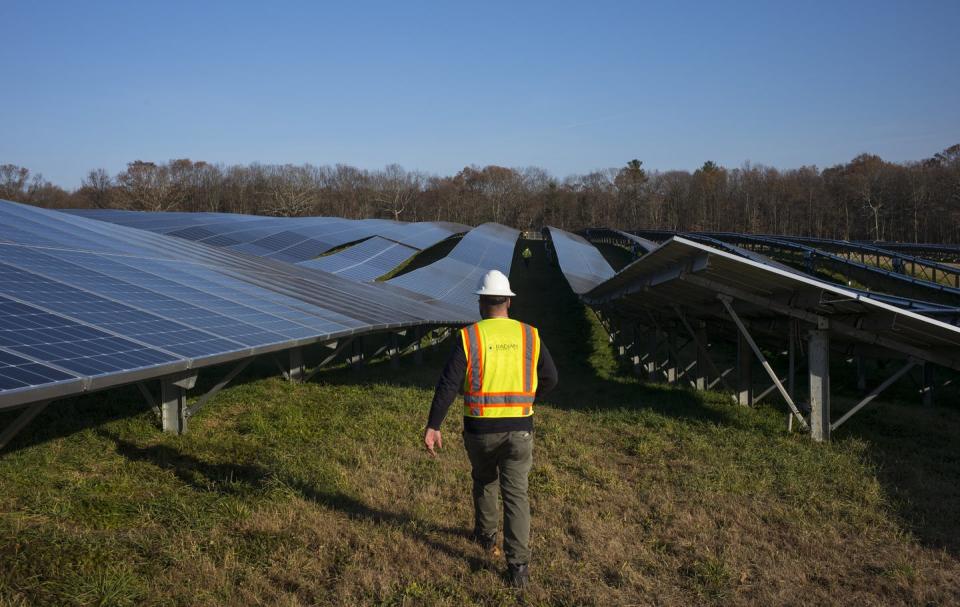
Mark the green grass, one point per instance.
(424, 258)
(321, 494)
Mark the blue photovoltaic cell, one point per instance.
(289, 239)
(455, 278)
(17, 373)
(582, 264)
(53, 339)
(82, 299)
(364, 261)
(111, 315)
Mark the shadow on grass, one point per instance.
(242, 479)
(66, 417)
(916, 458)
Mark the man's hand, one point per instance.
(430, 438)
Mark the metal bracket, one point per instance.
(151, 402)
(220, 385)
(875, 393)
(341, 345)
(21, 421)
(868, 337)
(726, 300)
(185, 380)
(702, 349)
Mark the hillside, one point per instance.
(321, 494)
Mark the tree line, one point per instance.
(867, 198)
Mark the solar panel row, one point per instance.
(364, 261)
(454, 278)
(289, 239)
(682, 273)
(86, 304)
(581, 263)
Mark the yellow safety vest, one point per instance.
(501, 379)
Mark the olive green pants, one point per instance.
(502, 460)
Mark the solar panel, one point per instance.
(86, 304)
(581, 263)
(364, 261)
(19, 373)
(689, 274)
(454, 278)
(290, 239)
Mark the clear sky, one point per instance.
(436, 86)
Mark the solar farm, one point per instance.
(768, 344)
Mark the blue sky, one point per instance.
(436, 86)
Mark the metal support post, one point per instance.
(296, 368)
(792, 355)
(417, 350)
(651, 360)
(357, 359)
(635, 350)
(727, 302)
(744, 372)
(703, 358)
(173, 404)
(671, 364)
(819, 365)
(394, 351)
(22, 420)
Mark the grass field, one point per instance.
(287, 494)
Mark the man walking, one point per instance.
(502, 366)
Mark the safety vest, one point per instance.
(501, 379)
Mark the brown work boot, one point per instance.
(519, 575)
(488, 543)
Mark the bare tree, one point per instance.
(97, 188)
(13, 182)
(395, 189)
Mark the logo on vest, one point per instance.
(503, 347)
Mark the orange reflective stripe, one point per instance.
(523, 348)
(478, 349)
(465, 336)
(473, 380)
(529, 357)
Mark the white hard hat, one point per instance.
(495, 283)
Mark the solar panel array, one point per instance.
(86, 304)
(289, 239)
(685, 274)
(454, 279)
(877, 278)
(637, 243)
(581, 263)
(364, 261)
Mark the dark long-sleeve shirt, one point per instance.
(451, 382)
